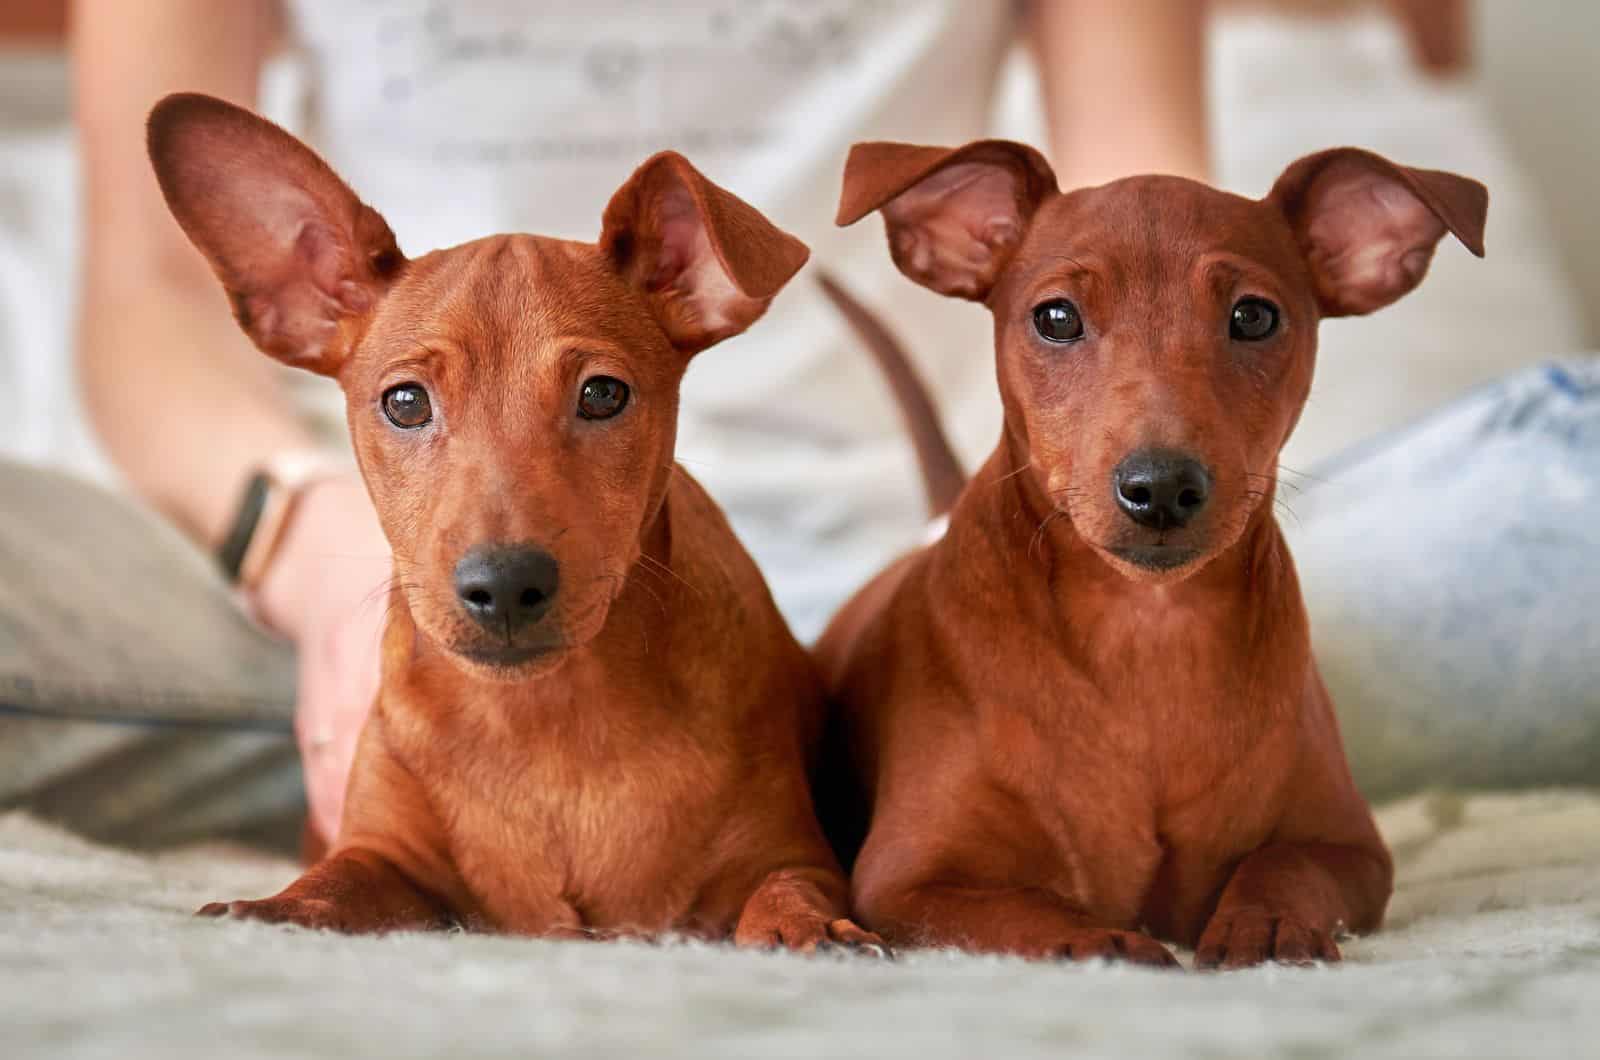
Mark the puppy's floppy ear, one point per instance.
(707, 263)
(1368, 227)
(303, 260)
(954, 215)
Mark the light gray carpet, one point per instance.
(1493, 950)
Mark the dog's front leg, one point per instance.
(388, 872)
(1324, 871)
(355, 891)
(1286, 901)
(1325, 868)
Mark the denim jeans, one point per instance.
(1452, 573)
(1451, 570)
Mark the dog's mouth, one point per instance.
(1159, 557)
(529, 653)
(507, 656)
(511, 663)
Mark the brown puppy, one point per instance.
(1091, 708)
(592, 720)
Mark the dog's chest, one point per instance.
(1173, 751)
(610, 826)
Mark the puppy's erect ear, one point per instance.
(706, 262)
(303, 260)
(954, 215)
(1368, 228)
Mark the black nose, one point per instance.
(1160, 488)
(505, 589)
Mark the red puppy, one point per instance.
(1089, 714)
(592, 718)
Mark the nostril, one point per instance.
(1161, 489)
(504, 588)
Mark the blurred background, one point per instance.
(1514, 108)
(1511, 101)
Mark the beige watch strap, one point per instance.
(288, 475)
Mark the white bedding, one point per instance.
(1493, 950)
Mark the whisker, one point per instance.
(1277, 481)
(645, 586)
(644, 628)
(1011, 474)
(660, 603)
(1300, 474)
(657, 564)
(1038, 534)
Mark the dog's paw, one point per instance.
(315, 913)
(817, 934)
(848, 935)
(1245, 937)
(1105, 944)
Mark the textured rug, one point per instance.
(1492, 950)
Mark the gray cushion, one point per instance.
(107, 612)
(137, 705)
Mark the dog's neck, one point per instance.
(1229, 638)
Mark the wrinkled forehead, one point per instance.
(1153, 232)
(508, 298)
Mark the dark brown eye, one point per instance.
(1058, 321)
(602, 397)
(407, 406)
(1253, 319)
